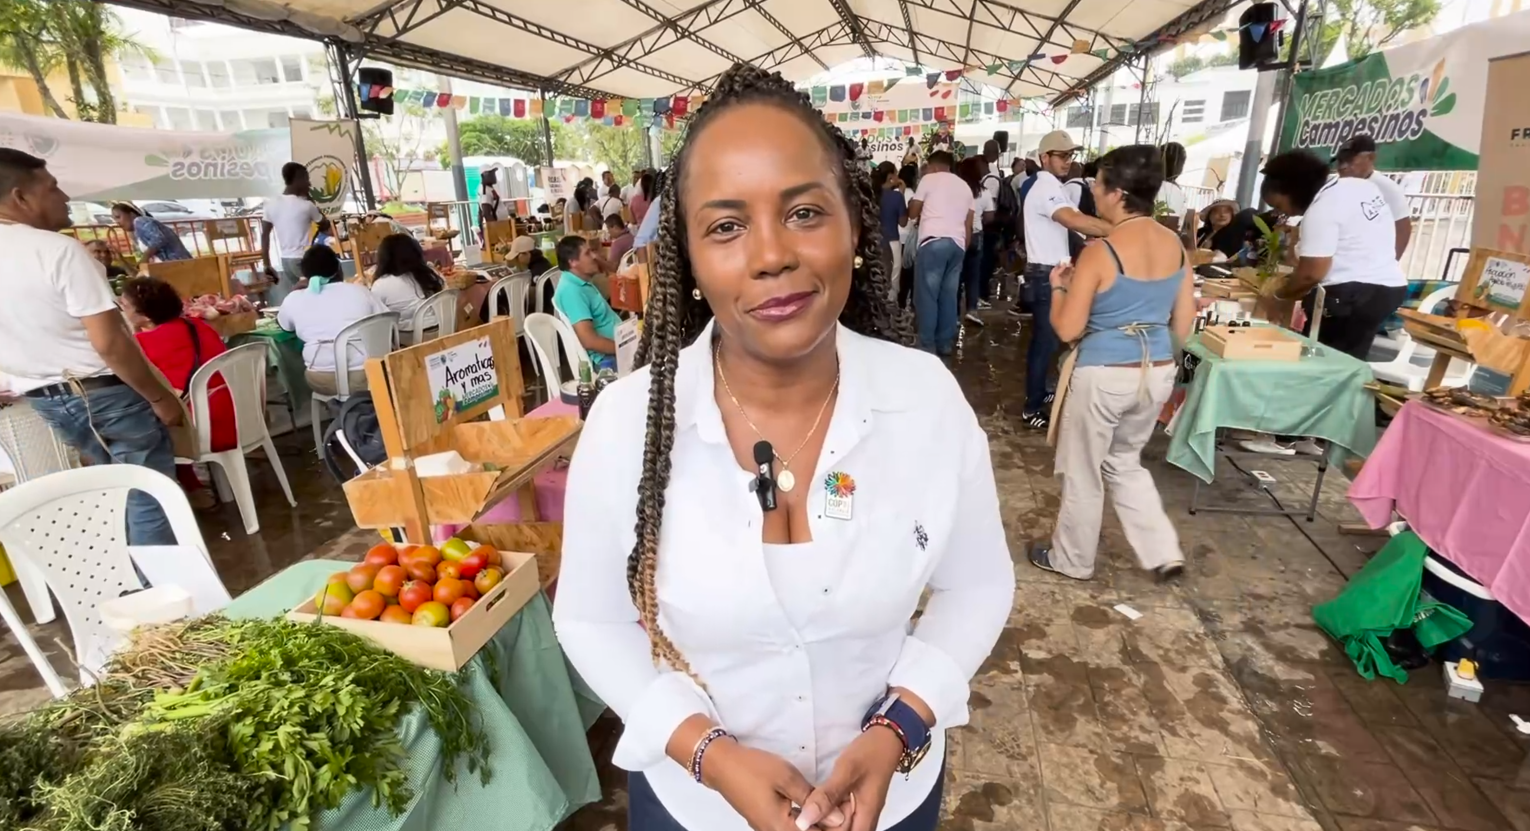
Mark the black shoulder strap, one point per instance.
(196, 354)
(1120, 269)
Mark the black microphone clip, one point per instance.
(764, 483)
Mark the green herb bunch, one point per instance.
(216, 725)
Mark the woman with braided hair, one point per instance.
(752, 626)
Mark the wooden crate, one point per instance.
(1256, 343)
(194, 277)
(447, 649)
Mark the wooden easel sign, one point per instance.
(1496, 281)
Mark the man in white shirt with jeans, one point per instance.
(65, 345)
(1345, 243)
(1049, 216)
(291, 217)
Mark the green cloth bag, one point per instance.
(1382, 598)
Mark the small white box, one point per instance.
(1466, 689)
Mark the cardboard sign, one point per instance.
(462, 377)
(1502, 284)
(1501, 216)
(627, 336)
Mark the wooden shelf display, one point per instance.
(1493, 286)
(438, 396)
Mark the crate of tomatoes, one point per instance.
(435, 606)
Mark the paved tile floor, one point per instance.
(1222, 707)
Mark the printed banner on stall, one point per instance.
(102, 162)
(1422, 103)
(328, 150)
(1501, 216)
(462, 377)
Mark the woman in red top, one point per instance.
(178, 346)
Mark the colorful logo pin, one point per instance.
(838, 495)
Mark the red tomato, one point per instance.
(489, 553)
(413, 595)
(395, 614)
(432, 614)
(448, 590)
(488, 579)
(368, 605)
(421, 570)
(461, 606)
(389, 580)
(350, 612)
(427, 553)
(449, 569)
(360, 577)
(472, 564)
(381, 555)
(468, 590)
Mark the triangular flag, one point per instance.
(1102, 54)
(932, 79)
(843, 117)
(614, 105)
(987, 108)
(1277, 25)
(1037, 57)
(661, 106)
(837, 93)
(568, 119)
(443, 100)
(856, 90)
(877, 116)
(912, 71)
(1256, 31)
(598, 108)
(1001, 105)
(964, 110)
(535, 107)
(680, 105)
(908, 130)
(515, 107)
(473, 104)
(645, 106)
(1080, 46)
(953, 74)
(608, 121)
(459, 102)
(1059, 58)
(669, 120)
(387, 92)
(892, 83)
(365, 90)
(820, 96)
(993, 69)
(1221, 36)
(876, 87)
(630, 106)
(620, 120)
(940, 113)
(928, 114)
(1016, 66)
(696, 102)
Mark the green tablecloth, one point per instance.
(540, 757)
(286, 353)
(1322, 396)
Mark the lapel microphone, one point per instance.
(764, 486)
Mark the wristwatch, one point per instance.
(896, 715)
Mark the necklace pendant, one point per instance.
(786, 481)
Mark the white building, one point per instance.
(209, 77)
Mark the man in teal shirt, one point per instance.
(580, 301)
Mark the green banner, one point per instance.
(1422, 103)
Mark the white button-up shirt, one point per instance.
(792, 656)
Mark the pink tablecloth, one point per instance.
(549, 485)
(1463, 489)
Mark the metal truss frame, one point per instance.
(1189, 21)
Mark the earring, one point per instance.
(858, 261)
(695, 294)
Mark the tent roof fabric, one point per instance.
(653, 48)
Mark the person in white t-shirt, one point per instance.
(404, 280)
(291, 218)
(65, 345)
(611, 204)
(1346, 243)
(316, 311)
(1357, 158)
(973, 171)
(1049, 216)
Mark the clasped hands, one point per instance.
(764, 788)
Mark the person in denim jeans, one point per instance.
(65, 345)
(943, 205)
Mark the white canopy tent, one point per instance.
(654, 48)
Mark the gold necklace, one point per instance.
(786, 481)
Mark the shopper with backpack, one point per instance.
(1079, 189)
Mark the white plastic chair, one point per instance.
(34, 451)
(377, 335)
(545, 333)
(1402, 369)
(512, 290)
(69, 526)
(437, 314)
(244, 374)
(538, 288)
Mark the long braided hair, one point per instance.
(674, 318)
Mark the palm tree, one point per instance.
(88, 33)
(23, 44)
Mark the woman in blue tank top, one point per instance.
(1128, 304)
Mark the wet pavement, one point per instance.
(1223, 706)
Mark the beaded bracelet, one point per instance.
(701, 748)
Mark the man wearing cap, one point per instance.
(1049, 216)
(1356, 159)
